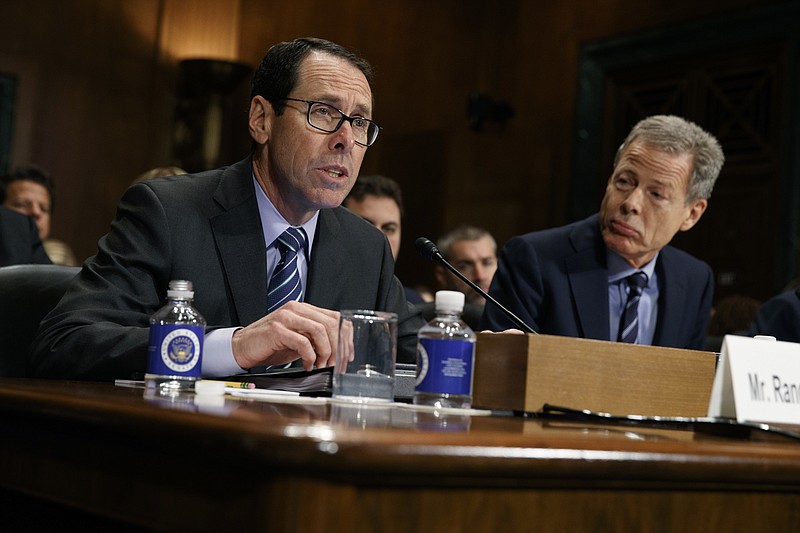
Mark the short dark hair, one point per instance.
(376, 185)
(30, 173)
(276, 76)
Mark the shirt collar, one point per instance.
(273, 223)
(619, 268)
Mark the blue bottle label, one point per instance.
(444, 366)
(175, 350)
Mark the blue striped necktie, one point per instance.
(285, 284)
(629, 323)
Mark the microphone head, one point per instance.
(427, 249)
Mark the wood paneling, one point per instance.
(94, 112)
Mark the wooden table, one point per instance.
(92, 451)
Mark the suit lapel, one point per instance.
(326, 261)
(589, 287)
(588, 280)
(240, 241)
(672, 299)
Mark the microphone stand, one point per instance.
(429, 251)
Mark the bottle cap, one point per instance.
(180, 288)
(449, 301)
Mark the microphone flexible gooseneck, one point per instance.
(429, 251)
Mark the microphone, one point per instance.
(429, 251)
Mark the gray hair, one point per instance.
(676, 135)
(464, 232)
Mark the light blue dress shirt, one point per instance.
(618, 270)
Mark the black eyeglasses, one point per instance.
(329, 119)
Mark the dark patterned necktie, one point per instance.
(629, 323)
(285, 284)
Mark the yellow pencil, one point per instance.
(236, 384)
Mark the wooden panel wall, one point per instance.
(91, 108)
(95, 109)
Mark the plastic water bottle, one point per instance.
(175, 350)
(445, 356)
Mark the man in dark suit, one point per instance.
(779, 317)
(572, 280)
(310, 121)
(19, 240)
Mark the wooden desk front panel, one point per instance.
(108, 451)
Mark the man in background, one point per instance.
(19, 240)
(613, 276)
(379, 200)
(779, 316)
(31, 191)
(473, 251)
(242, 234)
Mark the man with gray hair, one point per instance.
(613, 276)
(473, 251)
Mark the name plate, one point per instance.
(757, 380)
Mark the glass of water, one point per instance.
(365, 357)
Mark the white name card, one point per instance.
(757, 380)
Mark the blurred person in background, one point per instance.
(473, 251)
(31, 191)
(19, 240)
(379, 200)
